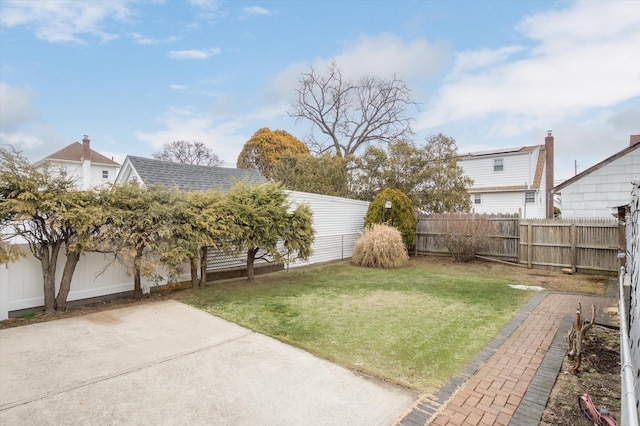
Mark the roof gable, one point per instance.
(596, 167)
(189, 177)
(73, 152)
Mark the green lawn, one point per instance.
(415, 326)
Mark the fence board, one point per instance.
(588, 245)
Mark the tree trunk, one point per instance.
(251, 256)
(48, 261)
(65, 282)
(137, 284)
(194, 272)
(204, 260)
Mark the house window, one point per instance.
(477, 198)
(498, 166)
(105, 174)
(530, 197)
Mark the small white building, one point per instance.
(88, 168)
(599, 190)
(338, 223)
(512, 180)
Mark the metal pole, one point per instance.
(628, 401)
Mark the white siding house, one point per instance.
(599, 190)
(511, 180)
(87, 167)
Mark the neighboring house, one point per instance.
(186, 177)
(89, 168)
(512, 180)
(599, 190)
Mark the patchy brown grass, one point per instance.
(552, 281)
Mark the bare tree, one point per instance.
(186, 152)
(350, 114)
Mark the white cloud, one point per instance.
(209, 10)
(382, 55)
(223, 132)
(15, 104)
(194, 53)
(21, 124)
(581, 58)
(224, 138)
(256, 10)
(152, 41)
(64, 20)
(178, 87)
(472, 60)
(20, 140)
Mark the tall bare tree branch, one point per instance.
(352, 114)
(186, 152)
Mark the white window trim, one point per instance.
(533, 199)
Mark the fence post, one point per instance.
(574, 254)
(529, 245)
(4, 291)
(622, 237)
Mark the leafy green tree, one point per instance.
(259, 218)
(369, 175)
(402, 166)
(44, 209)
(200, 225)
(445, 188)
(429, 175)
(326, 174)
(186, 152)
(266, 147)
(351, 114)
(394, 208)
(9, 252)
(139, 227)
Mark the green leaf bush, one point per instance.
(401, 215)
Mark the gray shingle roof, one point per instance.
(188, 177)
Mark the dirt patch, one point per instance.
(599, 376)
(550, 280)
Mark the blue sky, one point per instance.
(134, 75)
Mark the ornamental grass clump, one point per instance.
(380, 246)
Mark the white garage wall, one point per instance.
(337, 221)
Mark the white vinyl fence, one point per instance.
(337, 221)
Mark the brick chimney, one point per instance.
(548, 146)
(634, 139)
(86, 148)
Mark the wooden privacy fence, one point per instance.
(586, 245)
(501, 239)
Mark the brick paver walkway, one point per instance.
(508, 384)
